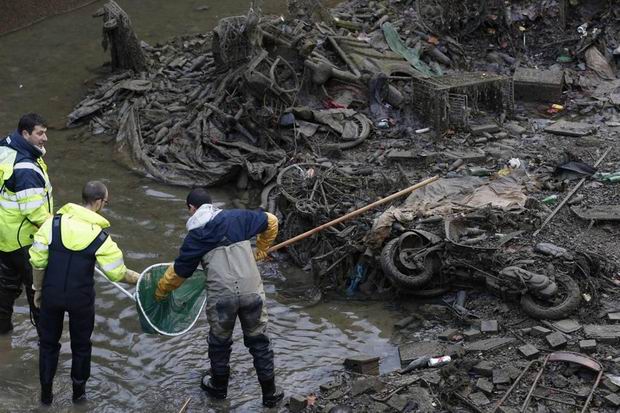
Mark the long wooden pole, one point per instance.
(353, 214)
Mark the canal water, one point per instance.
(44, 69)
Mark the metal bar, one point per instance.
(570, 194)
(533, 387)
(555, 400)
(503, 399)
(127, 293)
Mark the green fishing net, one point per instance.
(178, 313)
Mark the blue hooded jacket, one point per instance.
(226, 228)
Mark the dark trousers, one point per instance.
(15, 271)
(253, 316)
(81, 309)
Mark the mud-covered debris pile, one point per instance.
(329, 110)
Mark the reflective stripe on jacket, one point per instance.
(79, 228)
(25, 192)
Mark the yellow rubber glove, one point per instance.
(266, 238)
(168, 283)
(37, 285)
(131, 277)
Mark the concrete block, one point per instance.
(609, 385)
(535, 85)
(363, 365)
(471, 333)
(485, 385)
(529, 351)
(489, 326)
(479, 399)
(297, 403)
(556, 340)
(448, 334)
(501, 376)
(613, 317)
(587, 346)
(483, 368)
(613, 399)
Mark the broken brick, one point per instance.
(587, 346)
(501, 376)
(297, 403)
(484, 368)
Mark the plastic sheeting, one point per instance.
(178, 313)
(450, 195)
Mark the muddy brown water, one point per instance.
(42, 69)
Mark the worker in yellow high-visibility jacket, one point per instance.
(63, 256)
(25, 203)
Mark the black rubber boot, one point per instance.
(6, 326)
(46, 394)
(271, 395)
(215, 386)
(79, 392)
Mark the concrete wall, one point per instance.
(16, 14)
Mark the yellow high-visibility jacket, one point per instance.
(25, 193)
(79, 227)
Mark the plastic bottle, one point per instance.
(383, 124)
(439, 361)
(551, 199)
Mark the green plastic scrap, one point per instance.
(398, 46)
(607, 176)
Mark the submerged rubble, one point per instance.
(516, 105)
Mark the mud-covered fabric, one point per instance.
(222, 315)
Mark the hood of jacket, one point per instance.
(16, 141)
(202, 216)
(84, 214)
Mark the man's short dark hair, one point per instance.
(93, 191)
(198, 197)
(28, 121)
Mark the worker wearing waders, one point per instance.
(220, 240)
(63, 257)
(25, 204)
